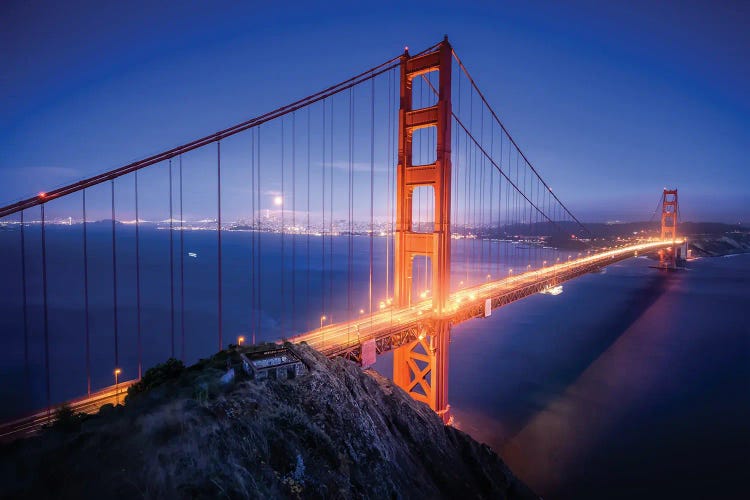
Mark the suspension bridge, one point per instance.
(372, 216)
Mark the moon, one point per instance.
(278, 200)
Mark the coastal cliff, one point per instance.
(718, 245)
(335, 431)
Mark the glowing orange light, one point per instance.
(42, 194)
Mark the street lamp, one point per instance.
(322, 319)
(240, 340)
(117, 392)
(488, 277)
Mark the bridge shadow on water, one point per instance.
(602, 335)
(533, 422)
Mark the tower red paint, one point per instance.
(421, 367)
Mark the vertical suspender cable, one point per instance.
(259, 268)
(481, 200)
(27, 370)
(330, 222)
(350, 197)
(294, 222)
(283, 253)
(388, 191)
(138, 279)
(307, 229)
(253, 234)
(218, 241)
(182, 272)
(46, 317)
(323, 230)
(114, 280)
(86, 297)
(490, 227)
(372, 180)
(171, 260)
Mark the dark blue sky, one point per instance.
(610, 102)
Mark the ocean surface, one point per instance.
(632, 383)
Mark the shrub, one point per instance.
(67, 419)
(171, 369)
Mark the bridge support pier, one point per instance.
(421, 368)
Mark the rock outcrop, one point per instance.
(726, 244)
(335, 432)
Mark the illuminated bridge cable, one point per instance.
(510, 138)
(514, 184)
(656, 209)
(203, 141)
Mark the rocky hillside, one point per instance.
(713, 246)
(334, 432)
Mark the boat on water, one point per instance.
(553, 290)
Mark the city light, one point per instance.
(240, 340)
(117, 372)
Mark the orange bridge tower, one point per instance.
(669, 216)
(421, 367)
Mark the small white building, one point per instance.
(279, 364)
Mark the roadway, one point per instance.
(30, 424)
(463, 304)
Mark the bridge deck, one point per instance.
(30, 424)
(345, 337)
